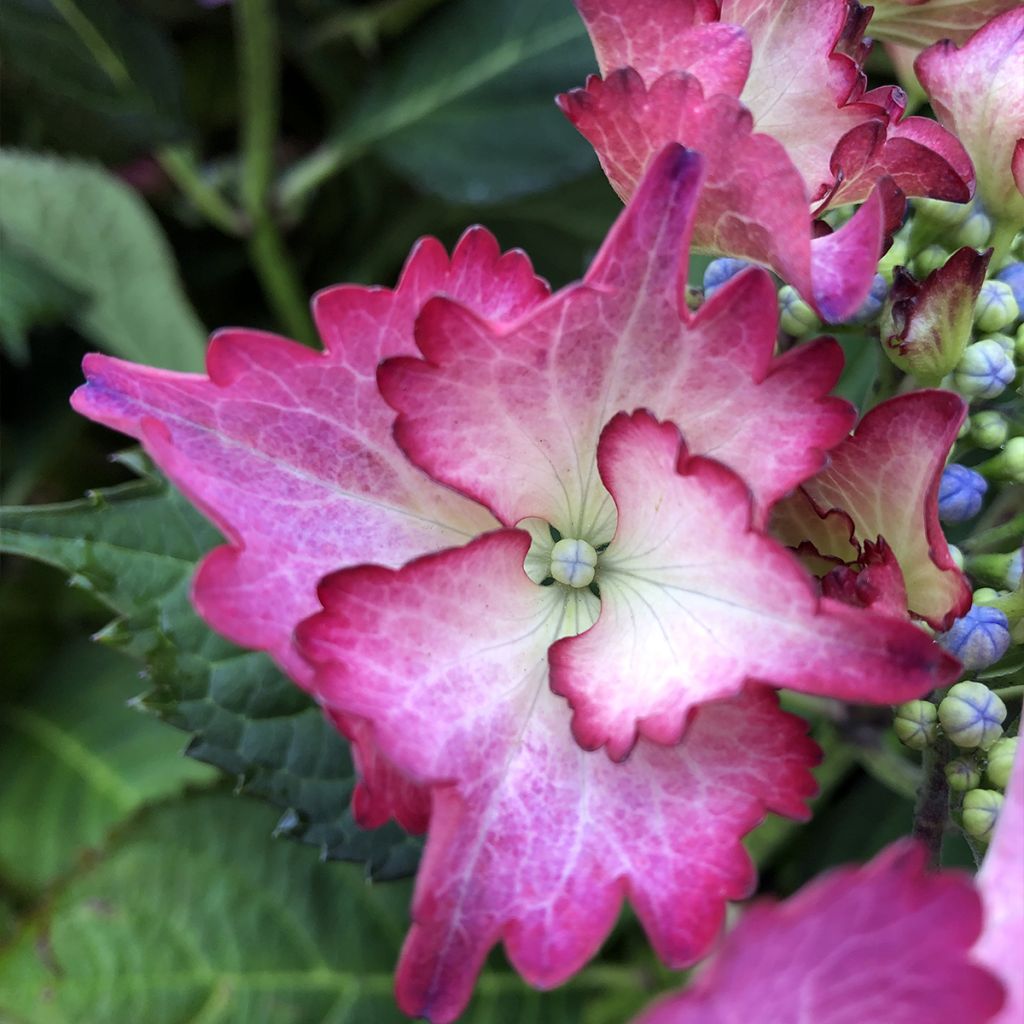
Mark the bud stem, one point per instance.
(931, 812)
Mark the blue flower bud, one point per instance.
(1004, 341)
(871, 307)
(915, 723)
(981, 811)
(795, 316)
(721, 270)
(989, 429)
(1000, 761)
(1013, 275)
(961, 492)
(980, 638)
(996, 307)
(975, 230)
(984, 370)
(962, 774)
(972, 715)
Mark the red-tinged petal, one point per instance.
(797, 521)
(533, 840)
(877, 584)
(917, 23)
(920, 157)
(290, 451)
(885, 477)
(885, 942)
(1001, 883)
(652, 36)
(754, 204)
(676, 631)
(977, 92)
(511, 415)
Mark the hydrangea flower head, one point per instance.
(559, 547)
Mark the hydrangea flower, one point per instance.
(889, 941)
(883, 482)
(773, 95)
(977, 91)
(477, 660)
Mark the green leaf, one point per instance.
(195, 915)
(99, 73)
(29, 296)
(136, 548)
(96, 235)
(77, 761)
(860, 370)
(466, 109)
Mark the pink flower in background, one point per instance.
(548, 572)
(977, 91)
(887, 942)
(773, 96)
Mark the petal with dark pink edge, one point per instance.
(694, 604)
(886, 942)
(797, 522)
(877, 583)
(1001, 883)
(920, 157)
(290, 451)
(885, 477)
(917, 23)
(511, 414)
(532, 840)
(753, 205)
(977, 92)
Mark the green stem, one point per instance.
(1010, 692)
(259, 83)
(180, 166)
(931, 813)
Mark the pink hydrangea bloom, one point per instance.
(887, 942)
(977, 91)
(772, 94)
(447, 652)
(882, 482)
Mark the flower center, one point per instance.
(573, 562)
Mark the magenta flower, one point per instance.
(539, 571)
(886, 942)
(677, 70)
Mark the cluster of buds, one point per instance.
(971, 718)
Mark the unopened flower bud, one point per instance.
(996, 307)
(795, 316)
(961, 493)
(1000, 761)
(895, 257)
(974, 230)
(972, 715)
(963, 774)
(930, 258)
(1004, 341)
(981, 811)
(1007, 464)
(979, 639)
(985, 595)
(721, 270)
(1015, 570)
(916, 723)
(1013, 275)
(989, 429)
(871, 307)
(957, 555)
(984, 370)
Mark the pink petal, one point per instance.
(977, 92)
(290, 452)
(887, 942)
(878, 584)
(511, 415)
(754, 204)
(798, 523)
(1001, 883)
(885, 477)
(916, 23)
(532, 840)
(675, 630)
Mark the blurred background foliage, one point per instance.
(170, 167)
